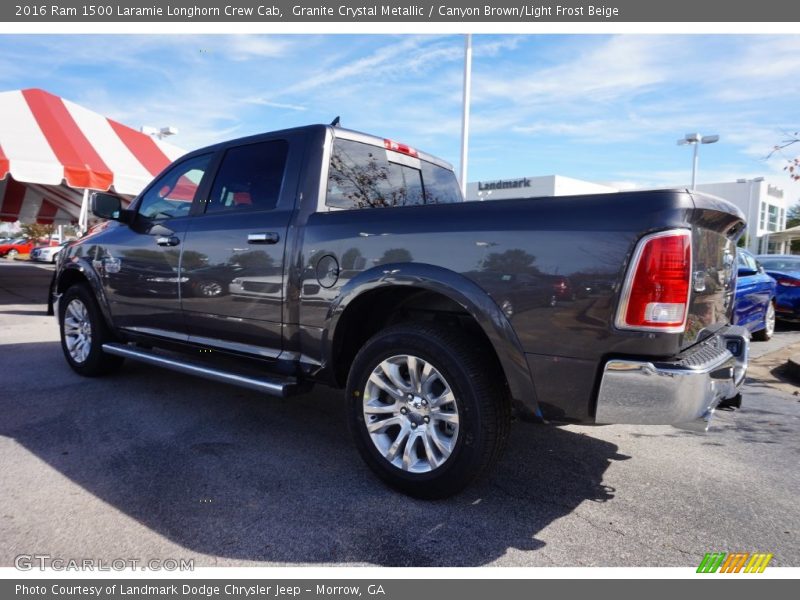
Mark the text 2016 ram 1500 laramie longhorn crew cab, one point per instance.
(324, 255)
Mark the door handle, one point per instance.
(263, 238)
(167, 241)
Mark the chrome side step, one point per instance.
(273, 386)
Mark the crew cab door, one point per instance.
(232, 262)
(139, 263)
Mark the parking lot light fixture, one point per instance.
(695, 139)
(159, 133)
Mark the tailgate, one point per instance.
(716, 227)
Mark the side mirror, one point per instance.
(106, 206)
(745, 272)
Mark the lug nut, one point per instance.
(427, 419)
(424, 403)
(413, 426)
(403, 410)
(410, 396)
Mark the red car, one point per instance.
(19, 246)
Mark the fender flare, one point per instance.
(465, 292)
(84, 267)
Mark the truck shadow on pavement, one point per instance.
(231, 474)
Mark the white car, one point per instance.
(47, 253)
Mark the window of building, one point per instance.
(249, 178)
(762, 217)
(772, 223)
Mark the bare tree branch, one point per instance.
(792, 164)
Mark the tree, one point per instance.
(793, 216)
(352, 260)
(511, 261)
(792, 164)
(36, 231)
(395, 255)
(793, 220)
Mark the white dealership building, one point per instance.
(764, 203)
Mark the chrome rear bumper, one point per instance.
(683, 392)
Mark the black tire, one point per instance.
(483, 405)
(96, 362)
(764, 335)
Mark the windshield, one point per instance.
(782, 263)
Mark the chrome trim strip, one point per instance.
(234, 346)
(322, 196)
(165, 333)
(272, 387)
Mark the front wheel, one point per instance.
(769, 324)
(12, 254)
(427, 409)
(83, 333)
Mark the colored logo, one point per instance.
(735, 562)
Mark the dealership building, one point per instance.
(765, 204)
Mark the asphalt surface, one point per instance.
(150, 464)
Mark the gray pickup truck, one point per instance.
(323, 255)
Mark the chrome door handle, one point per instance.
(167, 241)
(263, 238)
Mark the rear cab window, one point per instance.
(362, 175)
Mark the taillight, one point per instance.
(788, 282)
(401, 148)
(656, 292)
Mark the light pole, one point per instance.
(750, 221)
(465, 111)
(696, 139)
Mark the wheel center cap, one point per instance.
(418, 405)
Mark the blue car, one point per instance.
(754, 305)
(785, 268)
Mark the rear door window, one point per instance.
(249, 178)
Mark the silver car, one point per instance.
(46, 253)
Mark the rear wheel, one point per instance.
(769, 324)
(83, 333)
(12, 253)
(427, 409)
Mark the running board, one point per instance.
(272, 386)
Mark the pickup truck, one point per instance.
(324, 255)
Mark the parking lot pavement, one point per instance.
(150, 464)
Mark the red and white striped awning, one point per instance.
(57, 149)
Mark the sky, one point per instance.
(605, 108)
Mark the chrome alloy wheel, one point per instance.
(77, 330)
(411, 414)
(209, 289)
(769, 319)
